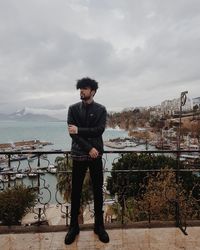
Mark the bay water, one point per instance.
(56, 133)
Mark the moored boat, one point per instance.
(117, 145)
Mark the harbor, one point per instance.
(24, 145)
(19, 147)
(12, 167)
(123, 143)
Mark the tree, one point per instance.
(132, 162)
(64, 178)
(137, 189)
(15, 202)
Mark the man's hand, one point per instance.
(72, 129)
(93, 153)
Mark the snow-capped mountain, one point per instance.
(36, 114)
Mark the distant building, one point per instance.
(196, 101)
(188, 105)
(172, 106)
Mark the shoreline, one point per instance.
(24, 145)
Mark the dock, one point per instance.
(23, 145)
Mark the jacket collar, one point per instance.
(87, 105)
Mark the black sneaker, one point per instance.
(71, 235)
(103, 235)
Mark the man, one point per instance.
(86, 124)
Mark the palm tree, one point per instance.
(64, 179)
(64, 176)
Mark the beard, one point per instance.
(84, 98)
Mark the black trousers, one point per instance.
(79, 170)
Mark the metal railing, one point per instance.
(138, 194)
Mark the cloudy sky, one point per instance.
(141, 52)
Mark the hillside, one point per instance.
(128, 120)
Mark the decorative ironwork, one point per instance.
(161, 194)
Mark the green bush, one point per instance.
(15, 202)
(153, 194)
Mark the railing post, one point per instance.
(38, 188)
(183, 99)
(67, 217)
(9, 165)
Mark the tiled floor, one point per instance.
(120, 239)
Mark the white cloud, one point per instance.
(141, 52)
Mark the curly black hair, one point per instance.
(87, 82)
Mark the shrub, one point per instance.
(153, 194)
(15, 202)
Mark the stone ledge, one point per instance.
(88, 227)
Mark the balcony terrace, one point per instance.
(45, 226)
(120, 239)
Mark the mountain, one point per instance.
(57, 111)
(26, 115)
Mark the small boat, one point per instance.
(32, 174)
(19, 176)
(193, 147)
(44, 156)
(18, 157)
(52, 169)
(40, 171)
(7, 169)
(130, 144)
(13, 177)
(3, 178)
(189, 156)
(117, 145)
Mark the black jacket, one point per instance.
(91, 121)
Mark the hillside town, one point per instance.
(162, 126)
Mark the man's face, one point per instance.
(86, 93)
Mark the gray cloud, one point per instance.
(141, 52)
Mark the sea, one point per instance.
(57, 134)
(54, 132)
